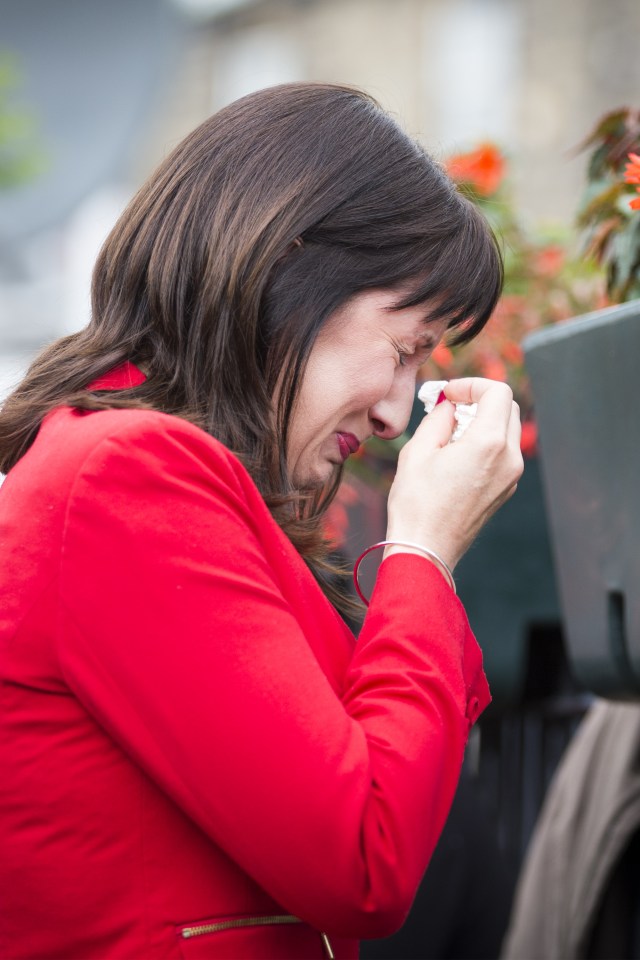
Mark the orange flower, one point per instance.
(512, 303)
(512, 352)
(442, 355)
(493, 368)
(549, 261)
(632, 169)
(336, 524)
(632, 175)
(529, 438)
(336, 520)
(483, 168)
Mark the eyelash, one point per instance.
(404, 356)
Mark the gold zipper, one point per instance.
(199, 929)
(327, 946)
(196, 930)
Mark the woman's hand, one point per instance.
(443, 493)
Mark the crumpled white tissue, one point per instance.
(464, 412)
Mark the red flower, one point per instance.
(336, 524)
(512, 303)
(493, 368)
(336, 520)
(549, 261)
(632, 175)
(529, 438)
(442, 355)
(632, 169)
(483, 168)
(512, 352)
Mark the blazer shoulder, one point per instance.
(135, 435)
(129, 447)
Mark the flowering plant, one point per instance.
(544, 284)
(632, 175)
(608, 215)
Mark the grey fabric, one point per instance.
(591, 812)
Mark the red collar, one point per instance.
(120, 378)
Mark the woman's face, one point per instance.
(360, 380)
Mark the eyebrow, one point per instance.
(425, 339)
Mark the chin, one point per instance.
(316, 478)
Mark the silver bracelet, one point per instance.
(444, 568)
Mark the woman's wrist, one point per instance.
(422, 550)
(405, 546)
(410, 543)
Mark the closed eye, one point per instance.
(424, 352)
(415, 351)
(405, 355)
(413, 357)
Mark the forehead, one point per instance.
(378, 309)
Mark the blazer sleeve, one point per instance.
(175, 636)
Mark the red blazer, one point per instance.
(197, 759)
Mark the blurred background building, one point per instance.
(109, 86)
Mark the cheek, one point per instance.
(373, 381)
(343, 382)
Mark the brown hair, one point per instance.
(202, 281)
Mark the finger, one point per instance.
(436, 428)
(495, 406)
(468, 389)
(514, 428)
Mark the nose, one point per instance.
(389, 416)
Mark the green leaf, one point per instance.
(611, 126)
(623, 257)
(21, 156)
(599, 201)
(599, 164)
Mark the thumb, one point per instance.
(435, 429)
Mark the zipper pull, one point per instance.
(327, 946)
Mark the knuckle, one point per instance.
(493, 443)
(499, 387)
(518, 465)
(508, 392)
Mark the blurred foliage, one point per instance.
(547, 281)
(21, 155)
(608, 215)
